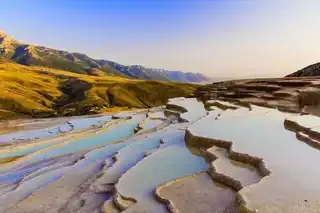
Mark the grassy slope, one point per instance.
(41, 92)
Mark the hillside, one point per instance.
(311, 70)
(43, 92)
(182, 76)
(137, 71)
(27, 54)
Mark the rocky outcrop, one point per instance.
(308, 140)
(306, 134)
(311, 70)
(309, 98)
(285, 94)
(122, 115)
(171, 113)
(295, 126)
(177, 108)
(139, 127)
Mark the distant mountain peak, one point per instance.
(3, 34)
(6, 38)
(7, 44)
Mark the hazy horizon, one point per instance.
(221, 39)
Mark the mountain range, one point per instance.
(27, 54)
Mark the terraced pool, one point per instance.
(218, 157)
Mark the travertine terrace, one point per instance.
(285, 94)
(245, 146)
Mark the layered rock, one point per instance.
(287, 94)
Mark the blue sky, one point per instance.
(221, 38)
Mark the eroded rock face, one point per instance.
(223, 157)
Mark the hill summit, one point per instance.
(311, 70)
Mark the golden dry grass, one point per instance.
(41, 92)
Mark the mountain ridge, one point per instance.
(28, 54)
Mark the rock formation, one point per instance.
(286, 94)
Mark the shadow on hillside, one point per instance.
(74, 91)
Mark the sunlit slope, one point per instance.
(41, 92)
